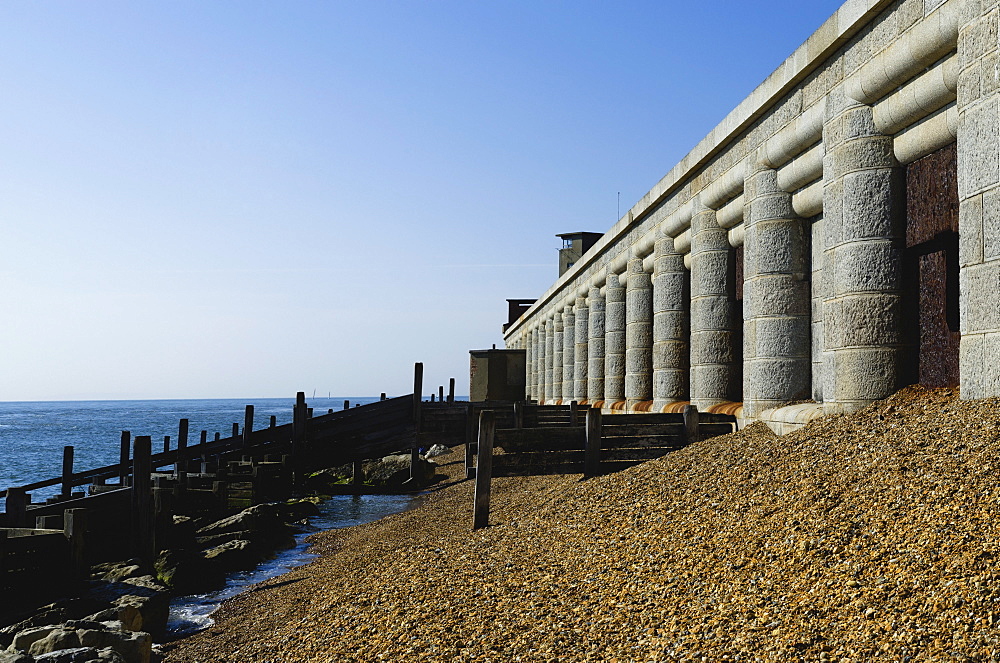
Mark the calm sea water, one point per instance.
(33, 434)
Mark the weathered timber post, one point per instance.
(247, 425)
(470, 444)
(518, 414)
(67, 472)
(163, 517)
(3, 551)
(75, 531)
(573, 413)
(347, 405)
(180, 468)
(309, 413)
(274, 422)
(357, 473)
(432, 398)
(451, 390)
(418, 386)
(592, 450)
(690, 423)
(235, 441)
(166, 443)
(218, 436)
(298, 433)
(16, 507)
(123, 458)
(484, 470)
(54, 521)
(381, 396)
(441, 394)
(329, 410)
(141, 511)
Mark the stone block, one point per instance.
(860, 154)
(780, 380)
(777, 205)
(671, 355)
(833, 213)
(971, 366)
(817, 241)
(712, 313)
(860, 123)
(670, 292)
(782, 337)
(867, 266)
(672, 324)
(871, 320)
(639, 305)
(713, 383)
(614, 315)
(979, 153)
(866, 374)
(817, 342)
(778, 295)
(991, 224)
(873, 204)
(710, 273)
(713, 347)
(614, 365)
(670, 385)
(980, 298)
(639, 335)
(782, 247)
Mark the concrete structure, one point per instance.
(836, 237)
(574, 245)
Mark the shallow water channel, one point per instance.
(193, 612)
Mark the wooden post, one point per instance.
(357, 473)
(16, 507)
(451, 390)
(218, 436)
(166, 443)
(484, 470)
(592, 452)
(75, 530)
(690, 423)
(298, 433)
(381, 396)
(123, 457)
(163, 517)
(235, 438)
(418, 389)
(347, 405)
(573, 413)
(470, 444)
(518, 414)
(180, 469)
(247, 425)
(309, 413)
(67, 472)
(274, 422)
(329, 411)
(141, 502)
(432, 398)
(441, 394)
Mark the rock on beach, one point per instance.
(870, 536)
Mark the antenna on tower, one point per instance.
(619, 206)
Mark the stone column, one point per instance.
(864, 218)
(533, 363)
(529, 357)
(715, 377)
(569, 353)
(582, 342)
(595, 347)
(979, 203)
(638, 335)
(776, 297)
(557, 357)
(549, 360)
(670, 325)
(614, 342)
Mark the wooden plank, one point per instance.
(514, 440)
(639, 430)
(649, 418)
(691, 423)
(711, 430)
(672, 441)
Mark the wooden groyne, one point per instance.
(127, 509)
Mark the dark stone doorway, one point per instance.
(931, 269)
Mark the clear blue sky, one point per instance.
(249, 199)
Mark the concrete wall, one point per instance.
(808, 175)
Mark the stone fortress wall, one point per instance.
(836, 237)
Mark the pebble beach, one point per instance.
(872, 536)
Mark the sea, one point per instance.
(33, 434)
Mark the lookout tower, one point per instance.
(574, 245)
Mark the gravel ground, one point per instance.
(866, 537)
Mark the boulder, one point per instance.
(67, 642)
(394, 471)
(437, 450)
(14, 657)
(23, 640)
(141, 604)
